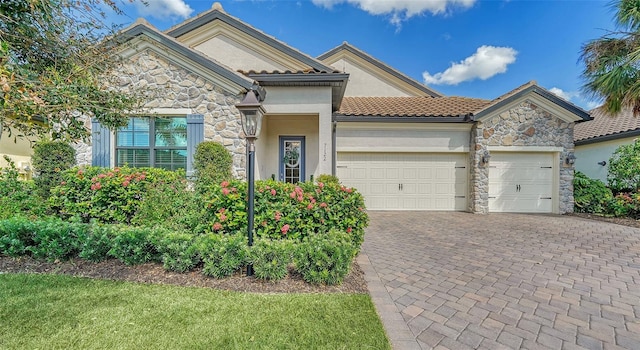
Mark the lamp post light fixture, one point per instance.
(251, 112)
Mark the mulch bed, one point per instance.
(113, 269)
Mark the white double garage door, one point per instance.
(518, 182)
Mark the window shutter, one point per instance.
(195, 135)
(100, 144)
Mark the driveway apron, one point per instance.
(503, 281)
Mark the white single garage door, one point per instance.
(521, 182)
(407, 181)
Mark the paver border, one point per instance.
(398, 331)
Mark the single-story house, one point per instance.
(597, 139)
(402, 144)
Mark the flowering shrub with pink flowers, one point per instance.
(104, 194)
(288, 211)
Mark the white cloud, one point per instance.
(486, 62)
(576, 98)
(563, 94)
(162, 9)
(400, 10)
(593, 104)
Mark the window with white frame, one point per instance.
(159, 142)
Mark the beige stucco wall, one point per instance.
(588, 156)
(364, 83)
(236, 55)
(310, 109)
(275, 126)
(402, 137)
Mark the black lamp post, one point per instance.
(251, 112)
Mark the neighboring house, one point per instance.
(402, 144)
(596, 140)
(19, 150)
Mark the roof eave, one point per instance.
(337, 82)
(581, 113)
(225, 72)
(399, 119)
(609, 137)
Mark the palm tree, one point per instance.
(612, 62)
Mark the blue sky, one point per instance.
(472, 48)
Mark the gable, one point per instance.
(537, 96)
(144, 39)
(370, 77)
(240, 46)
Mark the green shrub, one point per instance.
(51, 239)
(16, 236)
(222, 255)
(107, 195)
(271, 258)
(212, 163)
(624, 168)
(18, 197)
(171, 205)
(326, 178)
(49, 160)
(54, 239)
(179, 251)
(98, 242)
(325, 259)
(590, 195)
(288, 211)
(136, 245)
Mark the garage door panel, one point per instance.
(410, 181)
(521, 182)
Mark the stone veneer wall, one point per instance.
(170, 86)
(524, 125)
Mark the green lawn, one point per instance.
(61, 312)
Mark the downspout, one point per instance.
(334, 153)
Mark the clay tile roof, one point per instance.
(275, 72)
(603, 124)
(422, 106)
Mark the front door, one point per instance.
(292, 159)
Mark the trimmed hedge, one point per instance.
(320, 258)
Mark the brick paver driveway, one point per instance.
(503, 281)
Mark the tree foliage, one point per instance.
(55, 66)
(611, 62)
(624, 168)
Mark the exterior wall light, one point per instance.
(251, 112)
(570, 159)
(486, 156)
